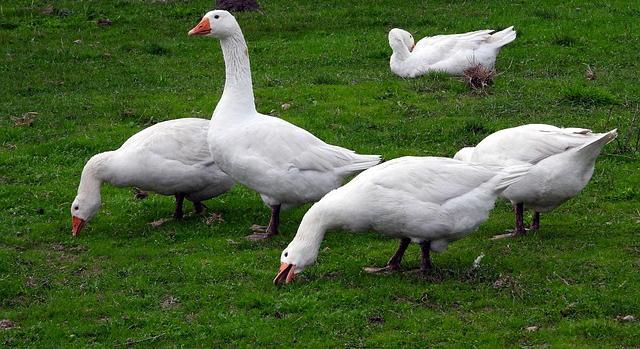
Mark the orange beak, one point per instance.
(286, 274)
(203, 28)
(412, 47)
(76, 225)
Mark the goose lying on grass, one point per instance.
(563, 160)
(169, 158)
(429, 200)
(445, 53)
(287, 165)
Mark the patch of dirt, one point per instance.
(237, 5)
(478, 77)
(74, 249)
(170, 302)
(503, 281)
(376, 319)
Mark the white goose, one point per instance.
(445, 53)
(429, 200)
(169, 158)
(563, 160)
(287, 165)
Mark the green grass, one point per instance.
(191, 284)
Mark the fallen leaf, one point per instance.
(213, 218)
(26, 120)
(77, 42)
(625, 318)
(476, 262)
(170, 302)
(47, 10)
(6, 324)
(139, 194)
(590, 74)
(285, 106)
(159, 222)
(532, 328)
(376, 319)
(104, 22)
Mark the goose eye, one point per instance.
(286, 254)
(216, 16)
(75, 208)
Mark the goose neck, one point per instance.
(93, 175)
(238, 88)
(400, 53)
(311, 232)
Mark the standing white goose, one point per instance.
(563, 161)
(445, 53)
(429, 200)
(169, 158)
(287, 165)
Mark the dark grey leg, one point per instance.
(519, 210)
(272, 228)
(425, 264)
(394, 262)
(178, 214)
(535, 222)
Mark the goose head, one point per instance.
(83, 209)
(294, 259)
(218, 24)
(400, 39)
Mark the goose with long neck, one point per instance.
(563, 161)
(429, 200)
(170, 158)
(286, 164)
(445, 53)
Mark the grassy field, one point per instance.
(124, 282)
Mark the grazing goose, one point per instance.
(287, 165)
(429, 200)
(445, 53)
(169, 158)
(563, 160)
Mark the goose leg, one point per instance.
(272, 228)
(425, 264)
(519, 230)
(177, 214)
(535, 222)
(199, 207)
(393, 263)
(519, 208)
